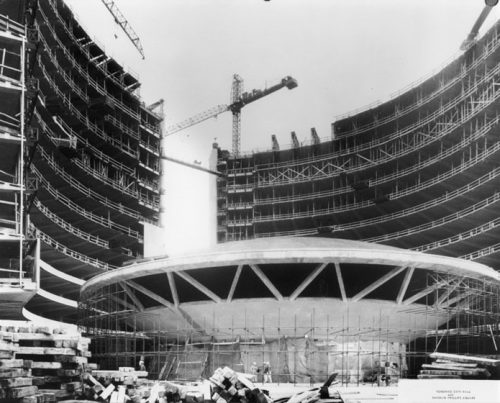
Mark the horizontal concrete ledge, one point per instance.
(295, 250)
(56, 298)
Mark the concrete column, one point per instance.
(163, 181)
(163, 170)
(212, 195)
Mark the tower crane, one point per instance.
(124, 24)
(238, 100)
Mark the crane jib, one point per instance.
(238, 101)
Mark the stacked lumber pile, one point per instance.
(15, 377)
(45, 365)
(454, 366)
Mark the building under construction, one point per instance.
(417, 172)
(308, 306)
(384, 238)
(85, 174)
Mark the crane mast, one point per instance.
(239, 99)
(236, 94)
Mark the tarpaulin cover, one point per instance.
(293, 360)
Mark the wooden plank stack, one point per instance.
(16, 383)
(41, 365)
(115, 386)
(454, 366)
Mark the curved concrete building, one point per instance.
(276, 301)
(419, 171)
(93, 156)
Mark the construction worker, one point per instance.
(254, 370)
(387, 372)
(267, 372)
(142, 365)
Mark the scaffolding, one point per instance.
(449, 313)
(18, 252)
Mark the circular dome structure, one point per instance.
(342, 294)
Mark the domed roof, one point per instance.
(310, 243)
(283, 250)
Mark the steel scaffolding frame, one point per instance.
(19, 264)
(461, 316)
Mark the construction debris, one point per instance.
(145, 391)
(454, 366)
(233, 387)
(126, 375)
(229, 386)
(321, 394)
(117, 386)
(224, 386)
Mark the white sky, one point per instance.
(344, 53)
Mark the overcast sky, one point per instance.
(344, 53)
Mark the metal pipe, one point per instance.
(193, 166)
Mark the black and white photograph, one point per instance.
(249, 201)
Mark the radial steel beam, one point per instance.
(200, 287)
(309, 279)
(152, 295)
(404, 285)
(257, 270)
(340, 280)
(132, 296)
(234, 283)
(373, 286)
(179, 312)
(173, 288)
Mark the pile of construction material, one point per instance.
(454, 366)
(116, 386)
(15, 378)
(319, 395)
(40, 365)
(124, 375)
(126, 385)
(229, 386)
(130, 388)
